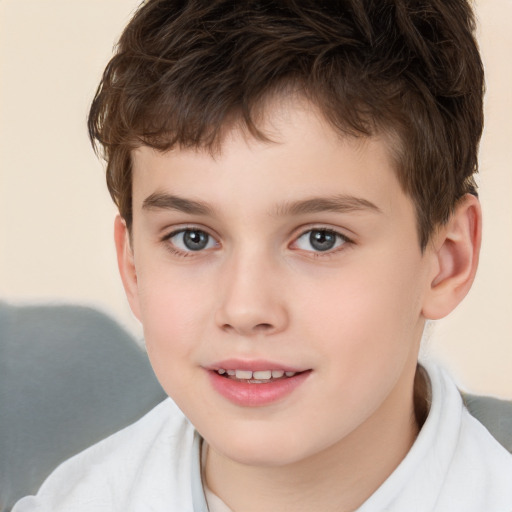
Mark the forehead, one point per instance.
(303, 156)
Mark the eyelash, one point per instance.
(316, 254)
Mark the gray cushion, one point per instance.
(495, 414)
(69, 376)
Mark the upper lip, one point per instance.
(253, 365)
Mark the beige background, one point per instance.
(56, 215)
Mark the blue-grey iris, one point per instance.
(322, 240)
(195, 240)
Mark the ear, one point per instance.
(454, 251)
(126, 264)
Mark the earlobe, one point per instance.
(126, 263)
(454, 252)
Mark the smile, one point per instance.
(249, 384)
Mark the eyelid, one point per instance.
(174, 230)
(343, 232)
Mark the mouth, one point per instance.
(253, 384)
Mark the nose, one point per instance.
(252, 297)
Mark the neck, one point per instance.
(340, 478)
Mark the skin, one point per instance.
(353, 315)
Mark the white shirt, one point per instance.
(455, 465)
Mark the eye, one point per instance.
(320, 240)
(187, 240)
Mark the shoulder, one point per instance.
(479, 475)
(135, 465)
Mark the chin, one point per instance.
(254, 448)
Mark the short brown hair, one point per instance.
(185, 69)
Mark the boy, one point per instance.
(296, 196)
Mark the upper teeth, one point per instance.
(257, 375)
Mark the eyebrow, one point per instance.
(159, 201)
(337, 204)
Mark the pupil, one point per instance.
(195, 240)
(322, 240)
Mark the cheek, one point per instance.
(365, 330)
(174, 314)
(368, 314)
(171, 297)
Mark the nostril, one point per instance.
(258, 328)
(263, 327)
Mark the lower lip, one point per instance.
(247, 394)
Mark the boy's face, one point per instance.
(299, 255)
